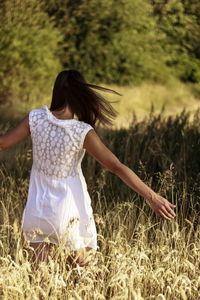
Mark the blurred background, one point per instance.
(148, 50)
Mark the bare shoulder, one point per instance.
(91, 139)
(25, 122)
(96, 148)
(26, 119)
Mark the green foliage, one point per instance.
(121, 42)
(131, 41)
(178, 20)
(110, 42)
(28, 50)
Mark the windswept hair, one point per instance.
(71, 89)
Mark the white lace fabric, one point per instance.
(57, 144)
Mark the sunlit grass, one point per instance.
(140, 100)
(137, 259)
(140, 256)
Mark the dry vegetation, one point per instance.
(139, 255)
(137, 259)
(173, 97)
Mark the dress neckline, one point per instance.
(51, 116)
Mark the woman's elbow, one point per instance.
(115, 167)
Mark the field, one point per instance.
(140, 256)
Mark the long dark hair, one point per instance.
(71, 89)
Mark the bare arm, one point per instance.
(161, 206)
(15, 135)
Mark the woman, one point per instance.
(58, 205)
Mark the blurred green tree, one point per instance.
(29, 50)
(109, 41)
(112, 42)
(179, 21)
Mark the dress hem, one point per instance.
(71, 249)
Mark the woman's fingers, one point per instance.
(168, 213)
(162, 207)
(163, 215)
(171, 211)
(168, 206)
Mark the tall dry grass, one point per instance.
(139, 256)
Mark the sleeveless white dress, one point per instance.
(58, 208)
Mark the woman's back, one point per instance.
(57, 144)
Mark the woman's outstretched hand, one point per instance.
(162, 207)
(106, 158)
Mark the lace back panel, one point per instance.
(57, 144)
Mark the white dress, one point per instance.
(58, 207)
